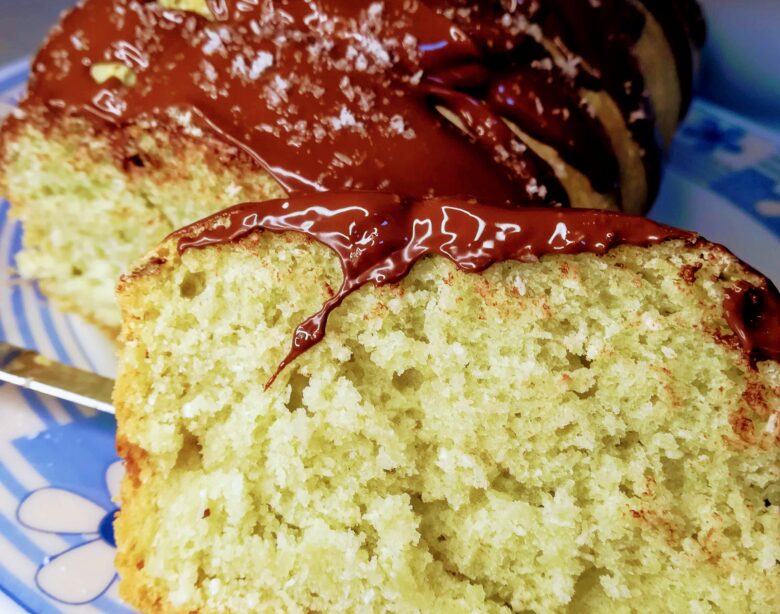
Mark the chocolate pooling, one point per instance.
(348, 94)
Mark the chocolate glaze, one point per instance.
(602, 34)
(753, 313)
(685, 28)
(378, 238)
(341, 94)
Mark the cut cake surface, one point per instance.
(578, 432)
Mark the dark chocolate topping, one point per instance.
(753, 313)
(378, 237)
(341, 94)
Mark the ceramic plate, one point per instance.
(58, 468)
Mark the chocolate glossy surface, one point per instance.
(343, 94)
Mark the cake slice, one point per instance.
(144, 116)
(355, 403)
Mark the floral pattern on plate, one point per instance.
(85, 571)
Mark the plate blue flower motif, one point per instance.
(84, 571)
(58, 466)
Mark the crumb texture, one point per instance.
(572, 435)
(91, 205)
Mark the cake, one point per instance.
(144, 116)
(356, 402)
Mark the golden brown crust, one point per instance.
(9, 128)
(136, 588)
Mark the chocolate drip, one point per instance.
(379, 237)
(753, 313)
(342, 94)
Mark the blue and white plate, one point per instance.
(58, 467)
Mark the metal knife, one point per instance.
(31, 370)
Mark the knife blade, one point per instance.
(33, 371)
